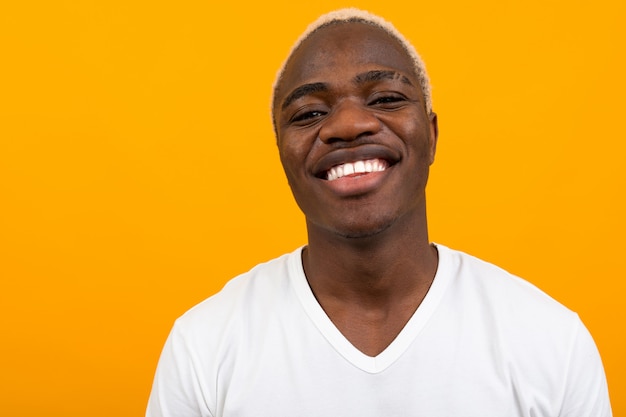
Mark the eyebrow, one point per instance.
(378, 75)
(304, 90)
(363, 78)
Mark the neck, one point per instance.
(376, 270)
(370, 287)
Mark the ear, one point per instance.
(434, 134)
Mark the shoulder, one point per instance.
(248, 296)
(485, 282)
(512, 312)
(215, 337)
(541, 342)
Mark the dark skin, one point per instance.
(349, 94)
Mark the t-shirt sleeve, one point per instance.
(177, 391)
(586, 392)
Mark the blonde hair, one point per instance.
(353, 15)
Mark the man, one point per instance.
(370, 318)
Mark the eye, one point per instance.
(307, 116)
(388, 101)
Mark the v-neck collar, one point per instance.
(371, 364)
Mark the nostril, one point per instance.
(332, 140)
(347, 123)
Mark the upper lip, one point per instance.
(358, 153)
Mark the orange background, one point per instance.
(138, 170)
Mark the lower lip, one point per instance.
(355, 185)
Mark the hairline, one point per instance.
(353, 15)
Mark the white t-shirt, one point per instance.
(482, 343)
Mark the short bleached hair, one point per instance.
(353, 15)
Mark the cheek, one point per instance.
(292, 159)
(417, 135)
(294, 150)
(415, 140)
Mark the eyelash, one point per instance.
(307, 115)
(387, 99)
(387, 102)
(393, 100)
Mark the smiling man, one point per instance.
(370, 318)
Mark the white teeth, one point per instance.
(348, 169)
(357, 167)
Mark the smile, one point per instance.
(356, 168)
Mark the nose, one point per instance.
(348, 121)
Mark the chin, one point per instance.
(362, 222)
(363, 231)
(362, 234)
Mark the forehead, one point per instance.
(342, 47)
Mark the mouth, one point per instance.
(360, 161)
(356, 168)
